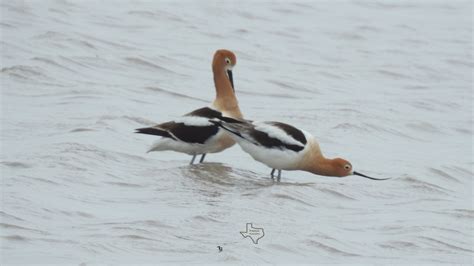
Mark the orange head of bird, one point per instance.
(224, 61)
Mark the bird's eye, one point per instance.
(347, 167)
(227, 61)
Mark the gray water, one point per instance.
(386, 85)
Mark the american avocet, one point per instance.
(193, 133)
(284, 147)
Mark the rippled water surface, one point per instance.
(387, 85)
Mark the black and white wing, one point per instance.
(191, 128)
(272, 135)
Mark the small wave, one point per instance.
(392, 131)
(81, 129)
(18, 238)
(293, 184)
(242, 31)
(143, 121)
(457, 213)
(146, 64)
(53, 63)
(153, 223)
(134, 224)
(201, 218)
(443, 174)
(6, 25)
(96, 248)
(125, 26)
(350, 36)
(387, 5)
(424, 185)
(76, 62)
(58, 39)
(455, 62)
(423, 106)
(123, 184)
(6, 216)
(107, 42)
(415, 42)
(58, 11)
(393, 74)
(327, 248)
(466, 131)
(438, 243)
(156, 15)
(249, 16)
(136, 119)
(330, 75)
(137, 237)
(288, 197)
(51, 35)
(43, 180)
(286, 11)
(423, 126)
(399, 245)
(290, 35)
(289, 86)
(269, 95)
(350, 126)
(144, 14)
(128, 228)
(73, 213)
(417, 87)
(337, 194)
(466, 213)
(16, 164)
(417, 201)
(52, 240)
(367, 28)
(175, 94)
(213, 35)
(398, 52)
(20, 9)
(17, 227)
(469, 174)
(25, 72)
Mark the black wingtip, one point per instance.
(230, 120)
(216, 122)
(223, 126)
(153, 131)
(147, 130)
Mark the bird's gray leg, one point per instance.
(279, 175)
(271, 174)
(202, 158)
(192, 160)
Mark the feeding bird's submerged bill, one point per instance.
(284, 147)
(193, 133)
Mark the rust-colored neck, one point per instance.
(225, 101)
(316, 163)
(325, 167)
(222, 83)
(225, 97)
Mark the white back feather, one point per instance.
(276, 132)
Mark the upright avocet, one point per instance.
(193, 133)
(284, 147)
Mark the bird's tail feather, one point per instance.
(154, 131)
(228, 124)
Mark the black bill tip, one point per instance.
(231, 78)
(359, 174)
